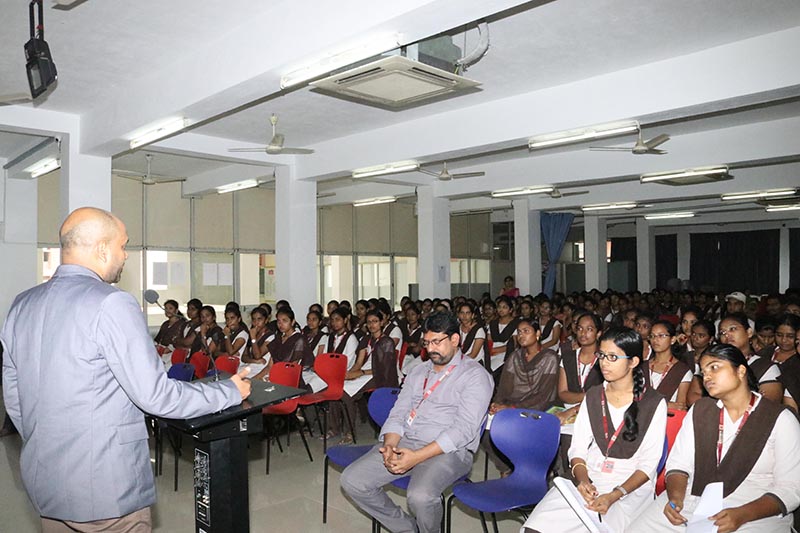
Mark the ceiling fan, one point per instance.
(641, 147)
(148, 178)
(445, 175)
(556, 193)
(275, 146)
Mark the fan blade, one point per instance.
(608, 149)
(461, 175)
(429, 172)
(271, 150)
(657, 140)
(247, 149)
(574, 193)
(160, 181)
(656, 152)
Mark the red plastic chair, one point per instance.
(401, 355)
(179, 355)
(288, 374)
(161, 349)
(674, 423)
(228, 363)
(331, 368)
(200, 362)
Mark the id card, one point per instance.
(411, 416)
(607, 466)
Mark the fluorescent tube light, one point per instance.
(335, 61)
(664, 216)
(583, 134)
(607, 207)
(375, 201)
(238, 186)
(523, 191)
(770, 193)
(678, 174)
(779, 208)
(389, 168)
(40, 168)
(165, 129)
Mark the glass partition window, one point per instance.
(337, 278)
(405, 275)
(212, 280)
(256, 279)
(374, 277)
(168, 273)
(459, 271)
(49, 259)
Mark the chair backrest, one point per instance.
(381, 402)
(529, 439)
(285, 373)
(200, 362)
(331, 368)
(181, 371)
(227, 363)
(179, 355)
(674, 423)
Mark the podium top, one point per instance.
(262, 394)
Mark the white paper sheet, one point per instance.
(570, 493)
(210, 274)
(709, 505)
(177, 273)
(225, 274)
(160, 274)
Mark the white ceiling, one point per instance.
(708, 73)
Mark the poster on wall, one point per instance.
(210, 274)
(225, 274)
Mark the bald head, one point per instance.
(96, 239)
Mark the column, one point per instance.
(595, 252)
(18, 239)
(295, 239)
(527, 248)
(85, 179)
(433, 244)
(684, 253)
(783, 261)
(645, 256)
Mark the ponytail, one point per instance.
(632, 413)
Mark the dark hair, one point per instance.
(693, 309)
(490, 303)
(670, 327)
(210, 310)
(596, 320)
(374, 312)
(315, 313)
(631, 343)
(285, 311)
(504, 300)
(234, 310)
(195, 302)
(709, 327)
(363, 303)
(732, 354)
(266, 307)
(281, 303)
(738, 317)
(532, 322)
(468, 305)
(259, 311)
(412, 307)
(346, 303)
(384, 308)
(788, 319)
(441, 322)
(508, 278)
(761, 323)
(645, 315)
(340, 312)
(231, 305)
(173, 303)
(315, 307)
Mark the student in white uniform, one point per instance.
(667, 372)
(616, 446)
(738, 437)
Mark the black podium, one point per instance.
(221, 494)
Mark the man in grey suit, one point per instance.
(79, 372)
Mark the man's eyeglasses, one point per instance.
(435, 342)
(611, 356)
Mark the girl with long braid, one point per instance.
(616, 445)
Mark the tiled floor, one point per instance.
(288, 500)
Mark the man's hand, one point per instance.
(402, 461)
(242, 383)
(673, 513)
(728, 520)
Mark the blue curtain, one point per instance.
(555, 228)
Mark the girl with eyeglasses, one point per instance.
(735, 437)
(786, 356)
(616, 445)
(666, 371)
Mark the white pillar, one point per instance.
(18, 239)
(527, 247)
(433, 238)
(85, 179)
(645, 256)
(295, 240)
(783, 262)
(684, 253)
(595, 251)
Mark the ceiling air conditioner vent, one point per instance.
(395, 82)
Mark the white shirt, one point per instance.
(656, 379)
(772, 373)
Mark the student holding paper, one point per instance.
(747, 442)
(616, 446)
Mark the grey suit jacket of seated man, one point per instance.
(79, 372)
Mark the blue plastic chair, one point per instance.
(529, 439)
(379, 406)
(181, 371)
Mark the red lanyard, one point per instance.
(589, 366)
(605, 424)
(745, 416)
(427, 393)
(667, 368)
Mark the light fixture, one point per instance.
(610, 129)
(665, 216)
(331, 62)
(40, 168)
(375, 201)
(167, 128)
(523, 191)
(38, 60)
(690, 176)
(238, 186)
(769, 193)
(779, 208)
(608, 207)
(388, 168)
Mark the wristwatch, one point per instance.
(622, 491)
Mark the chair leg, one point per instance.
(325, 493)
(494, 523)
(483, 522)
(449, 513)
(177, 450)
(269, 446)
(349, 423)
(305, 443)
(325, 429)
(275, 433)
(307, 424)
(485, 465)
(320, 422)
(442, 525)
